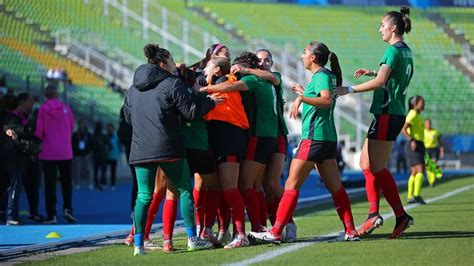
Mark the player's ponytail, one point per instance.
(335, 68)
(323, 55)
(400, 19)
(156, 54)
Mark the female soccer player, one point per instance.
(216, 50)
(268, 201)
(260, 107)
(415, 148)
(435, 150)
(318, 144)
(153, 107)
(388, 106)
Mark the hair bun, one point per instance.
(405, 10)
(151, 50)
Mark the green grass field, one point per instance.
(443, 234)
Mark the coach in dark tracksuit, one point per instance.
(154, 106)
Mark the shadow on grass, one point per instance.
(426, 235)
(327, 204)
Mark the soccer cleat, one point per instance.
(168, 246)
(69, 217)
(290, 235)
(150, 245)
(267, 236)
(238, 242)
(129, 240)
(403, 223)
(51, 220)
(209, 236)
(370, 225)
(224, 237)
(420, 200)
(196, 243)
(138, 251)
(347, 237)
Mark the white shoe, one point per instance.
(224, 237)
(267, 236)
(150, 245)
(344, 237)
(196, 243)
(139, 251)
(290, 230)
(238, 242)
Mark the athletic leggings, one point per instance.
(178, 174)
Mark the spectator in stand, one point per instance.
(54, 128)
(99, 155)
(113, 153)
(82, 148)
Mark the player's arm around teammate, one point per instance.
(388, 106)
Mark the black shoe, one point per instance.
(420, 200)
(37, 218)
(403, 223)
(412, 201)
(51, 220)
(69, 217)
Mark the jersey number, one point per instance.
(408, 73)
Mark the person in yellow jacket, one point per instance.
(435, 151)
(415, 148)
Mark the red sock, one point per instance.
(343, 208)
(373, 191)
(223, 213)
(132, 231)
(212, 204)
(199, 203)
(169, 217)
(152, 211)
(285, 210)
(262, 204)
(253, 210)
(236, 206)
(390, 191)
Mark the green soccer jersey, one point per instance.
(282, 129)
(318, 123)
(195, 133)
(391, 98)
(260, 106)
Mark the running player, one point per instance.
(435, 150)
(388, 107)
(318, 143)
(415, 148)
(153, 106)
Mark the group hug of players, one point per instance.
(222, 123)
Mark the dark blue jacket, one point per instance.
(153, 107)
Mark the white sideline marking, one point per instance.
(292, 247)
